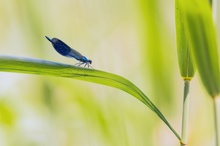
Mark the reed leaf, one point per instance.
(204, 43)
(43, 67)
(186, 67)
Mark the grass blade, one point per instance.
(186, 67)
(204, 44)
(43, 67)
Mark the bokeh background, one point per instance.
(131, 38)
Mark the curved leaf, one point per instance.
(43, 67)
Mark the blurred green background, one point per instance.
(135, 39)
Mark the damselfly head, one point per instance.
(90, 61)
(85, 60)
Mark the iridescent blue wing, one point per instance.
(64, 49)
(75, 54)
(60, 46)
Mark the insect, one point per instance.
(66, 51)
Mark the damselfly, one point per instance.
(66, 51)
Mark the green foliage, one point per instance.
(187, 69)
(201, 30)
(42, 67)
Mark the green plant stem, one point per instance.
(217, 119)
(185, 112)
(216, 99)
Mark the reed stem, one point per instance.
(185, 113)
(217, 119)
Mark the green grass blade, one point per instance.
(204, 43)
(42, 67)
(183, 44)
